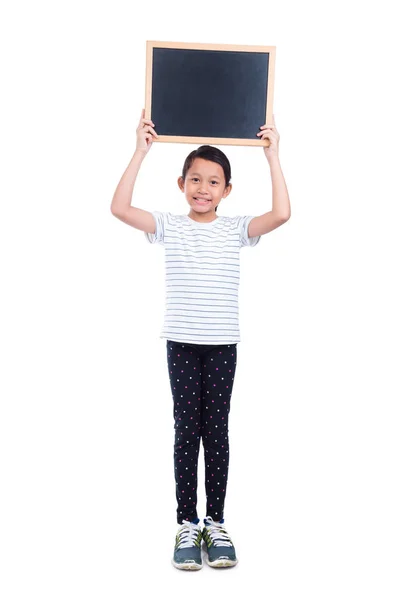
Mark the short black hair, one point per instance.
(214, 155)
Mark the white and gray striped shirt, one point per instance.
(202, 272)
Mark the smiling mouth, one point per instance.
(202, 201)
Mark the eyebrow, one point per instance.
(217, 176)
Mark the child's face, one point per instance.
(204, 186)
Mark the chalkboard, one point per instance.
(209, 94)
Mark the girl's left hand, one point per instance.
(270, 132)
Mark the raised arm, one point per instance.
(121, 202)
(280, 212)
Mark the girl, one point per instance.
(201, 324)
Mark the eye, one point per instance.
(195, 178)
(216, 182)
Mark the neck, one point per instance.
(203, 218)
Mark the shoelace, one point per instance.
(187, 534)
(217, 533)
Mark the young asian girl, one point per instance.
(201, 325)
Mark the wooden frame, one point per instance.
(270, 75)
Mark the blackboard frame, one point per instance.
(270, 76)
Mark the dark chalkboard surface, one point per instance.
(203, 93)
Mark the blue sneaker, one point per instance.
(220, 550)
(187, 553)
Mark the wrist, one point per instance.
(140, 153)
(273, 160)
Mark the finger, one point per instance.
(151, 130)
(143, 124)
(270, 134)
(149, 137)
(267, 127)
(269, 137)
(267, 132)
(141, 117)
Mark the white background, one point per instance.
(88, 493)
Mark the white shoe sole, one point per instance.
(188, 566)
(222, 562)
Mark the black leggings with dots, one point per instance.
(201, 378)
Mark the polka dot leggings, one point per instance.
(201, 378)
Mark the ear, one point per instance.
(181, 184)
(227, 191)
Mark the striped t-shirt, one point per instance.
(202, 272)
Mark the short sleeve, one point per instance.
(243, 225)
(158, 236)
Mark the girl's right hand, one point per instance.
(144, 134)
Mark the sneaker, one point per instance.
(219, 547)
(187, 553)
